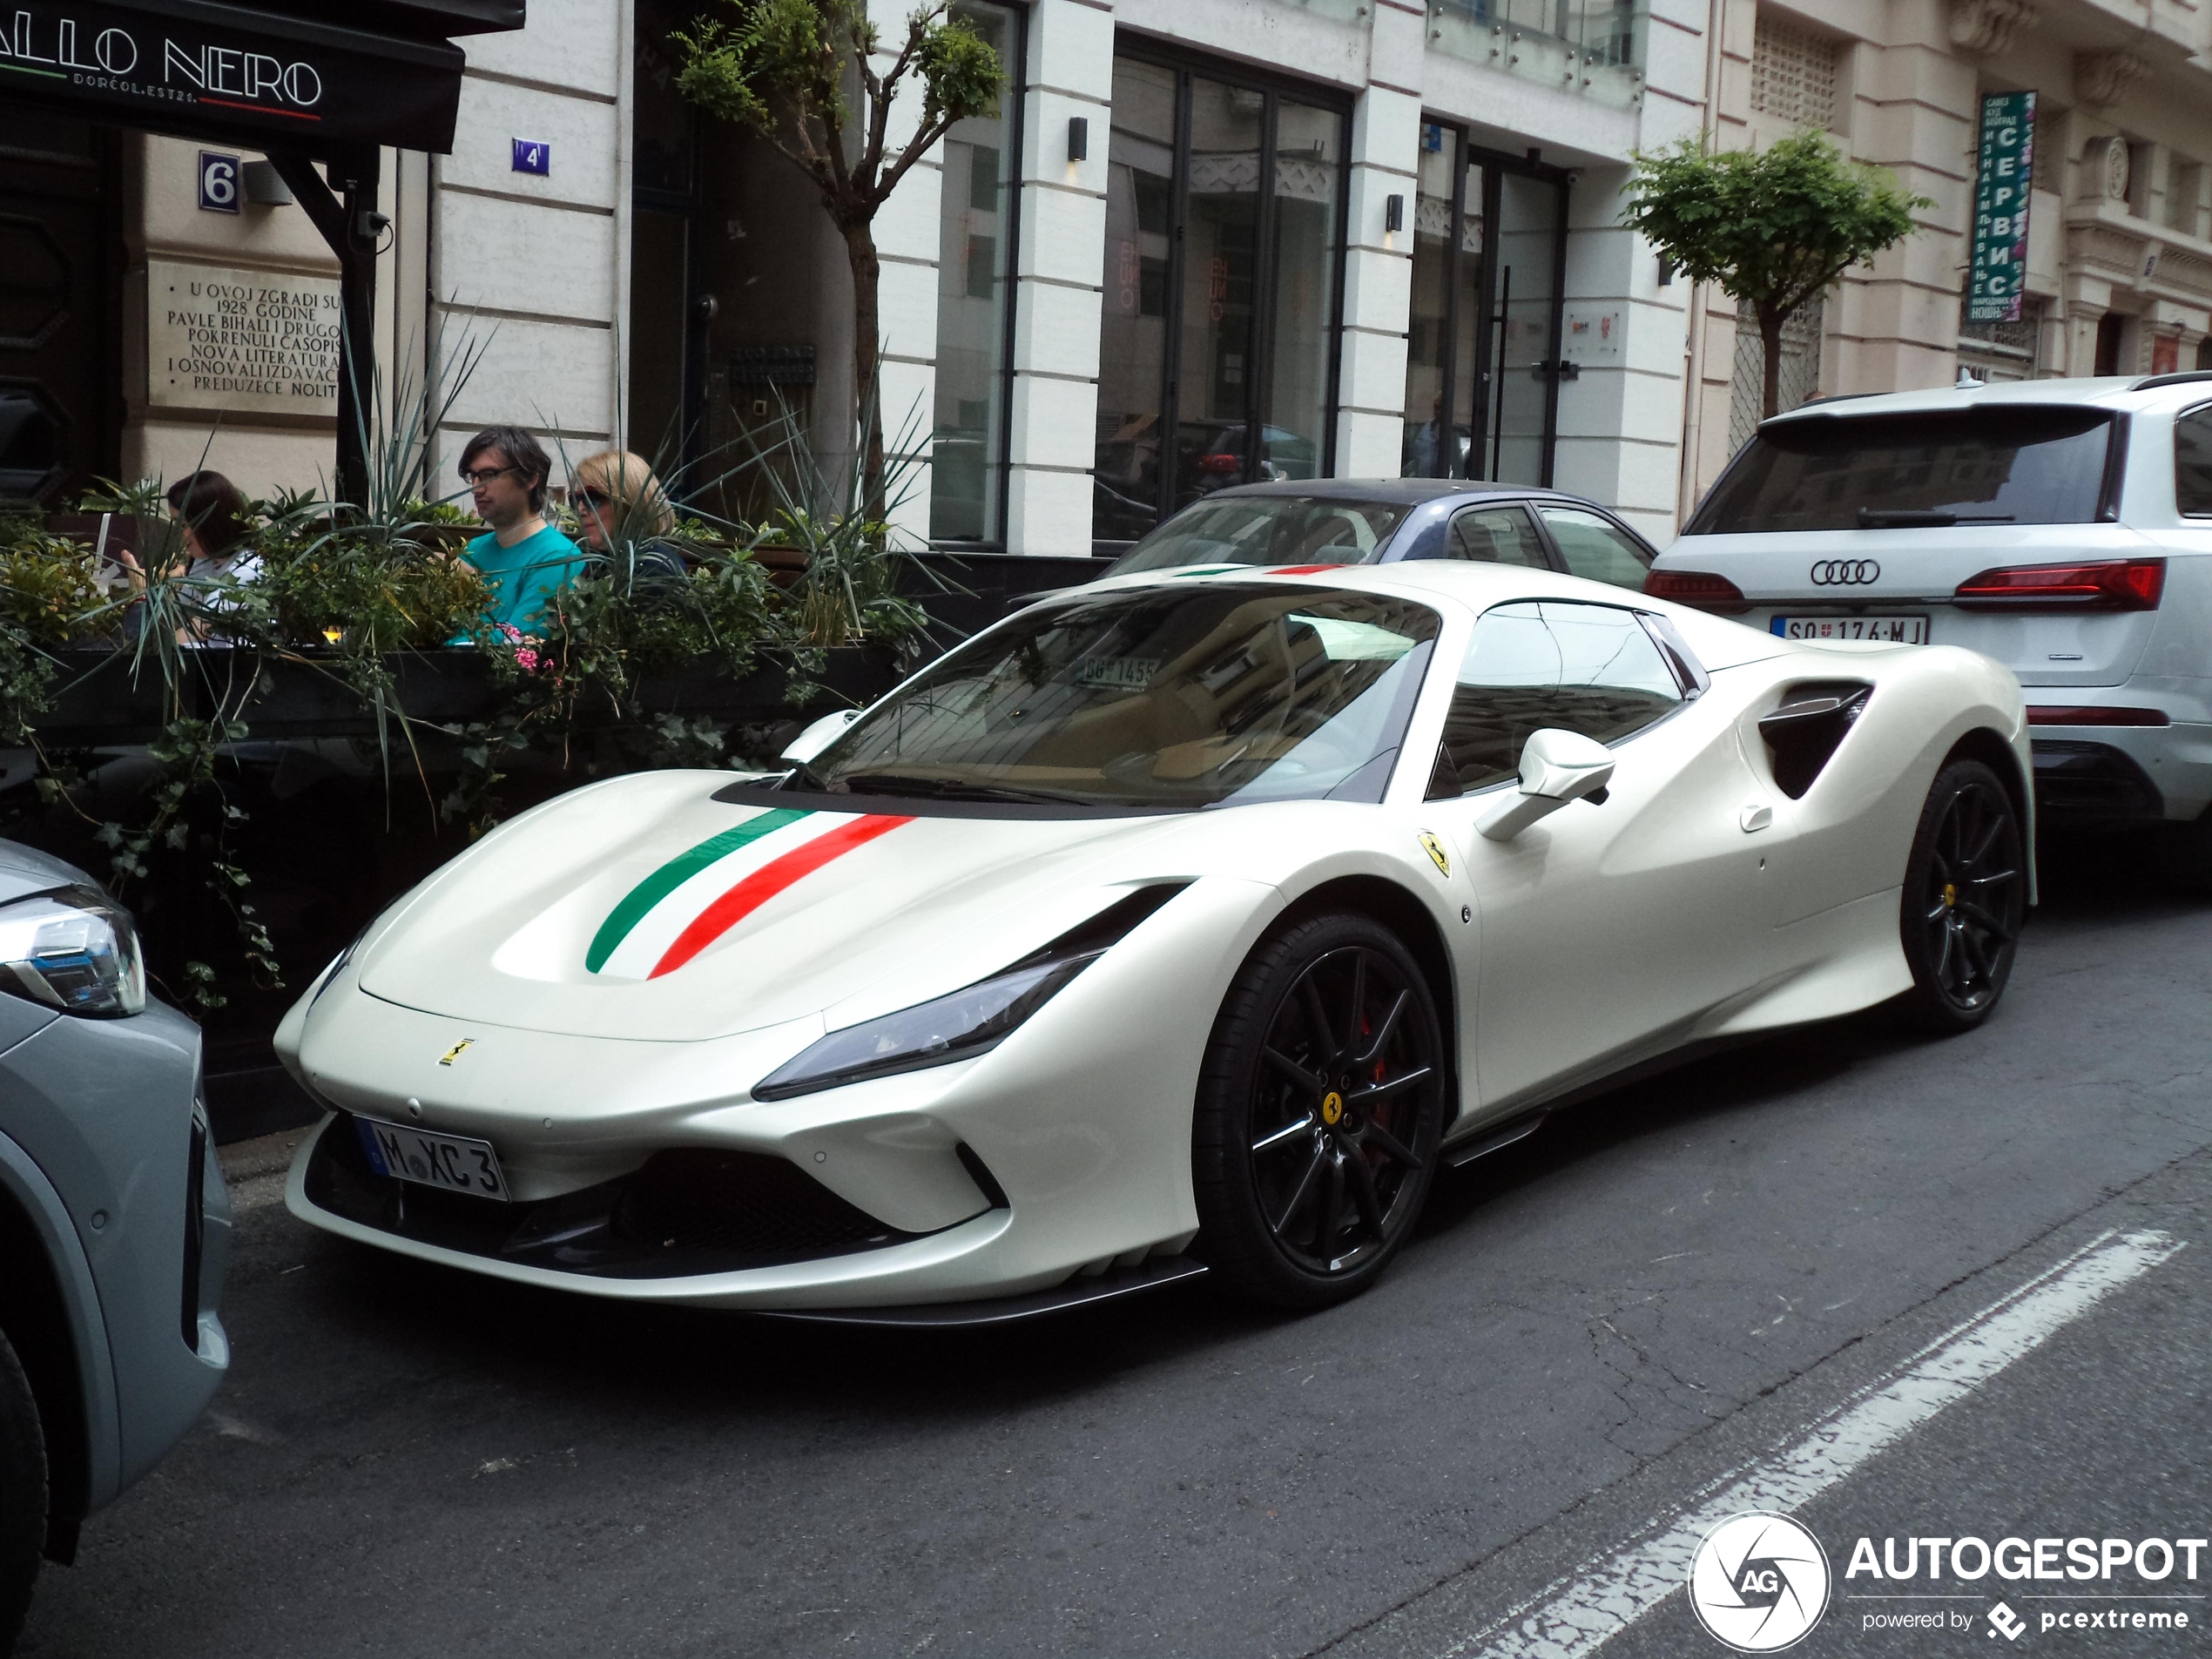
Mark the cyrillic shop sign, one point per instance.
(207, 71)
(2004, 181)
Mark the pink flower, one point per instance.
(526, 661)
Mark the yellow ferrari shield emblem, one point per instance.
(454, 1053)
(1331, 1107)
(1436, 852)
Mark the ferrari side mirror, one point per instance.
(1556, 767)
(818, 736)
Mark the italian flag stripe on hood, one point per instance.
(640, 900)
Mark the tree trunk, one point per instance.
(867, 394)
(1771, 349)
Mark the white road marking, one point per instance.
(1574, 1615)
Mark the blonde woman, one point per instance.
(623, 516)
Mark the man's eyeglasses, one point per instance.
(485, 474)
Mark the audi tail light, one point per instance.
(2108, 584)
(1220, 464)
(2092, 714)
(1697, 588)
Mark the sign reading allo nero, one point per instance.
(2003, 182)
(205, 70)
(254, 341)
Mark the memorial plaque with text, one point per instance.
(258, 342)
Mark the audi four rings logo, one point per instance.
(1846, 573)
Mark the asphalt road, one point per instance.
(1593, 1328)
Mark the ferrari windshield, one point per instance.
(1212, 694)
(1266, 530)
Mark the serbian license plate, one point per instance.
(1889, 630)
(453, 1162)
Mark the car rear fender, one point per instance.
(1856, 820)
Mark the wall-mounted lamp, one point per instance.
(1078, 138)
(263, 187)
(1393, 214)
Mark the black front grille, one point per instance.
(687, 1210)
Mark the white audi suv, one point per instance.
(2062, 526)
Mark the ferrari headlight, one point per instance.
(969, 1021)
(75, 950)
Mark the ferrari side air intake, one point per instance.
(1807, 728)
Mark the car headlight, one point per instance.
(75, 950)
(971, 1021)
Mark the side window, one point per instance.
(1591, 669)
(2193, 462)
(1497, 535)
(1596, 549)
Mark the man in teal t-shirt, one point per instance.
(522, 557)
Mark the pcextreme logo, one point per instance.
(1759, 1582)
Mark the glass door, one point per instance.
(1489, 251)
(1530, 246)
(1225, 235)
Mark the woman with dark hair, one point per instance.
(215, 521)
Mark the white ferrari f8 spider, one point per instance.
(1181, 923)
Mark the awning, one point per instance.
(247, 76)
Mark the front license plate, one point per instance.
(1889, 630)
(453, 1162)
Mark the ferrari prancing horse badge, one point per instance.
(1436, 851)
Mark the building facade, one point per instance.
(2119, 234)
(1200, 241)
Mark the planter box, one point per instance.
(101, 704)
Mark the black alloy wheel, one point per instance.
(1319, 1112)
(1966, 897)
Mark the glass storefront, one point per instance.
(1482, 361)
(739, 333)
(974, 269)
(1225, 232)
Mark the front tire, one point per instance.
(1318, 1111)
(1965, 898)
(23, 1495)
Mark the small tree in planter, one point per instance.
(783, 69)
(1772, 229)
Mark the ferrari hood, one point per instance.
(646, 908)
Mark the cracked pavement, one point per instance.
(407, 1462)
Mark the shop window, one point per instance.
(2003, 351)
(1225, 213)
(974, 282)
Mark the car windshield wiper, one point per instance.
(1923, 518)
(908, 783)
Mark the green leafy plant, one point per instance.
(789, 69)
(1772, 229)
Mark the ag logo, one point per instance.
(1759, 1582)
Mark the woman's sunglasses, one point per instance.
(591, 500)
